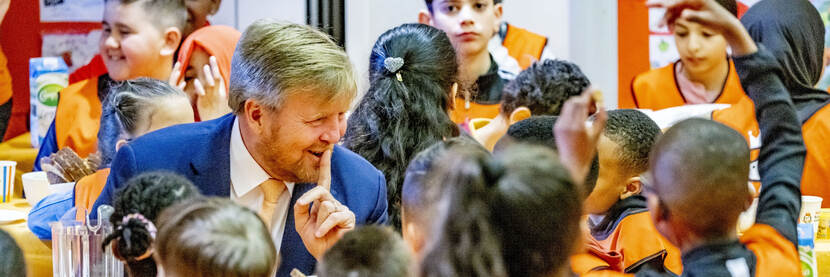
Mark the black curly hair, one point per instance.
(11, 262)
(544, 87)
(146, 194)
(396, 119)
(539, 130)
(635, 133)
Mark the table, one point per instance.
(19, 149)
(37, 252)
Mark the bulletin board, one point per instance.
(59, 29)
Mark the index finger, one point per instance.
(324, 171)
(318, 193)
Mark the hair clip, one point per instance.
(147, 224)
(393, 65)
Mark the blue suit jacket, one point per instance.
(200, 152)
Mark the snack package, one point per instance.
(806, 252)
(47, 77)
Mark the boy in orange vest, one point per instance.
(703, 75)
(139, 39)
(696, 182)
(618, 216)
(541, 89)
(470, 25)
(197, 13)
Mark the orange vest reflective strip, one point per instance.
(816, 134)
(77, 117)
(87, 191)
(775, 255)
(637, 239)
(463, 111)
(5, 80)
(523, 45)
(657, 89)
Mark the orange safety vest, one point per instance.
(523, 45)
(462, 111)
(741, 117)
(657, 89)
(775, 255)
(77, 117)
(638, 241)
(87, 190)
(5, 80)
(816, 134)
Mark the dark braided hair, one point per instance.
(147, 195)
(397, 119)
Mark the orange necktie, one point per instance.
(271, 191)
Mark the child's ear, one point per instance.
(633, 186)
(413, 237)
(119, 144)
(214, 6)
(519, 114)
(425, 17)
(453, 95)
(498, 11)
(172, 39)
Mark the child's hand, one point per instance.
(175, 79)
(710, 14)
(212, 97)
(575, 139)
(321, 226)
(4, 7)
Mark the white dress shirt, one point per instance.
(246, 175)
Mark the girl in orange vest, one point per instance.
(703, 75)
(797, 41)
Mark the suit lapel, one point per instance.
(211, 165)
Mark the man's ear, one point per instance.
(633, 186)
(172, 39)
(519, 114)
(254, 113)
(425, 17)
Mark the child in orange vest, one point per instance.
(704, 74)
(197, 13)
(471, 25)
(539, 90)
(139, 40)
(619, 218)
(797, 41)
(696, 181)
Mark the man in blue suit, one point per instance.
(290, 88)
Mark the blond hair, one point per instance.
(274, 59)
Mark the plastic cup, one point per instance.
(810, 211)
(7, 179)
(36, 186)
